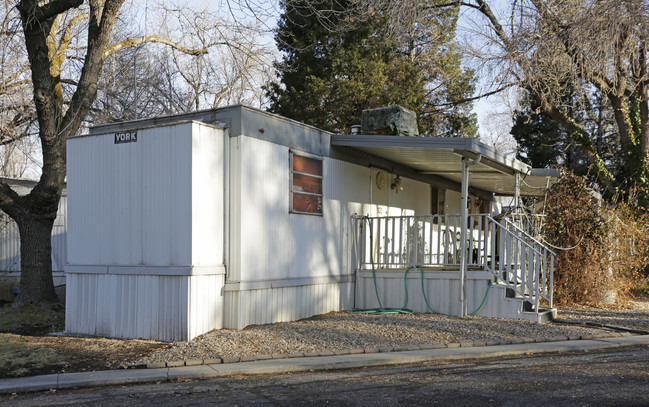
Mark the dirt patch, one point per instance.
(26, 349)
(33, 355)
(31, 319)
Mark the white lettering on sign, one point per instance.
(126, 137)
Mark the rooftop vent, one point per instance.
(391, 120)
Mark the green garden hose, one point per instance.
(423, 291)
(380, 309)
(404, 310)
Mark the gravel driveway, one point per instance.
(339, 331)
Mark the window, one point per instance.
(306, 184)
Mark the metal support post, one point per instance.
(463, 227)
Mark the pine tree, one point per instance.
(329, 74)
(544, 143)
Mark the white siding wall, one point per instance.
(452, 203)
(412, 199)
(207, 196)
(140, 306)
(276, 244)
(267, 245)
(130, 203)
(168, 308)
(287, 266)
(290, 303)
(146, 233)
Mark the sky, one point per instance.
(494, 113)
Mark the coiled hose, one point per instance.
(404, 310)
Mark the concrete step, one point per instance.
(542, 316)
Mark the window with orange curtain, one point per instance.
(306, 184)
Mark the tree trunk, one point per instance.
(36, 285)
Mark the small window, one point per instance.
(306, 185)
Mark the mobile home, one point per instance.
(234, 216)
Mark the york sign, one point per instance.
(126, 137)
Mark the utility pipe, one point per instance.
(517, 191)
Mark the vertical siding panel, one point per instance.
(294, 314)
(107, 282)
(84, 295)
(300, 301)
(72, 304)
(245, 308)
(132, 298)
(277, 304)
(279, 310)
(331, 298)
(287, 306)
(143, 290)
(267, 308)
(125, 312)
(149, 304)
(305, 301)
(100, 300)
(328, 303)
(173, 305)
(195, 321)
(191, 311)
(93, 292)
(266, 299)
(317, 299)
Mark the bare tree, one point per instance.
(548, 46)
(35, 212)
(57, 49)
(52, 57)
(159, 80)
(230, 74)
(17, 116)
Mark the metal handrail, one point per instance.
(540, 282)
(514, 257)
(538, 242)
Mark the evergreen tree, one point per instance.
(545, 143)
(329, 74)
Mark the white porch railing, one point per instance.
(516, 259)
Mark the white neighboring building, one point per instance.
(234, 216)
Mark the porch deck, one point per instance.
(418, 261)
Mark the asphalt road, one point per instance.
(604, 378)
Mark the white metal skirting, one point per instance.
(168, 308)
(280, 304)
(442, 290)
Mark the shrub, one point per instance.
(601, 248)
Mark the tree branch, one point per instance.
(133, 42)
(8, 198)
(465, 100)
(484, 8)
(56, 7)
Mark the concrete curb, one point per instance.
(289, 364)
(398, 348)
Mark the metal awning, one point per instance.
(442, 157)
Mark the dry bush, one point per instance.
(601, 249)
